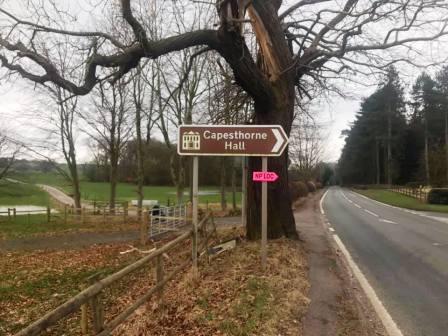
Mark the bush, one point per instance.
(297, 190)
(294, 191)
(303, 189)
(318, 185)
(438, 196)
(311, 186)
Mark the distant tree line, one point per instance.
(400, 140)
(156, 166)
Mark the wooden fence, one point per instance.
(418, 193)
(91, 296)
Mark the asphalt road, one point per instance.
(403, 254)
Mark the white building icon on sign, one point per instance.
(191, 141)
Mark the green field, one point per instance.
(21, 194)
(99, 191)
(400, 200)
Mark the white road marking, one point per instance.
(436, 244)
(357, 205)
(320, 203)
(389, 324)
(387, 221)
(371, 213)
(331, 229)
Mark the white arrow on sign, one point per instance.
(280, 140)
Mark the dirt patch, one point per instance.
(337, 306)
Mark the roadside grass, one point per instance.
(24, 226)
(21, 194)
(400, 200)
(99, 191)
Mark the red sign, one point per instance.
(232, 140)
(264, 177)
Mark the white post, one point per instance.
(195, 214)
(264, 214)
(244, 193)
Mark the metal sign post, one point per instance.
(244, 192)
(195, 214)
(264, 214)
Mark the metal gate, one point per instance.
(165, 219)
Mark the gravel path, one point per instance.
(57, 194)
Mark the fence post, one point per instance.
(83, 215)
(9, 214)
(104, 215)
(97, 307)
(159, 278)
(84, 315)
(144, 228)
(48, 214)
(65, 214)
(125, 212)
(14, 213)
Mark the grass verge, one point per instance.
(400, 200)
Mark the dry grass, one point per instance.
(233, 296)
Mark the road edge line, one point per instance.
(387, 321)
(320, 202)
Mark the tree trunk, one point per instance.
(280, 216)
(76, 189)
(446, 145)
(378, 171)
(113, 183)
(427, 175)
(233, 187)
(223, 184)
(389, 146)
(140, 173)
(178, 176)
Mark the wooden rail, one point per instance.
(417, 193)
(92, 293)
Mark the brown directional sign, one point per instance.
(231, 140)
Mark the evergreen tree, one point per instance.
(374, 144)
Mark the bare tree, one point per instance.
(8, 153)
(306, 146)
(110, 125)
(307, 40)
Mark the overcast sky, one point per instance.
(18, 111)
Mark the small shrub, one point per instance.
(311, 186)
(302, 189)
(297, 190)
(294, 191)
(438, 196)
(318, 185)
